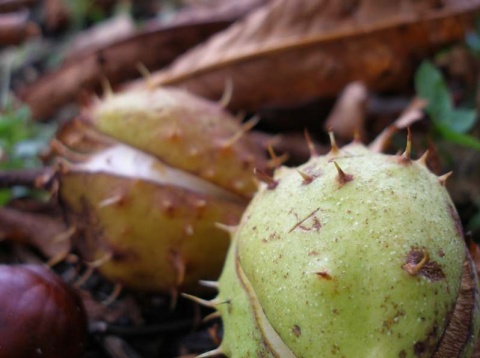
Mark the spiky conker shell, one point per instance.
(156, 237)
(185, 132)
(154, 172)
(366, 258)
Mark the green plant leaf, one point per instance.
(5, 196)
(20, 142)
(462, 120)
(430, 86)
(458, 138)
(472, 40)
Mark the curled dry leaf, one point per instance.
(202, 10)
(348, 115)
(118, 60)
(99, 36)
(288, 51)
(46, 233)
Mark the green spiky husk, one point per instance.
(184, 131)
(147, 231)
(333, 266)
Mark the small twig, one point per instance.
(23, 177)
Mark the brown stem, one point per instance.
(24, 177)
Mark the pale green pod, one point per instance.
(146, 176)
(184, 131)
(353, 254)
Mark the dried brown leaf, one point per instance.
(101, 35)
(204, 9)
(48, 234)
(116, 62)
(155, 46)
(287, 51)
(347, 117)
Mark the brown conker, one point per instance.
(40, 315)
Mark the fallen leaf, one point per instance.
(116, 62)
(288, 51)
(99, 36)
(227, 9)
(347, 117)
(155, 46)
(46, 233)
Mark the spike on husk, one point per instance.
(423, 159)
(333, 144)
(200, 301)
(342, 177)
(307, 179)
(311, 146)
(227, 94)
(214, 353)
(267, 179)
(211, 284)
(227, 228)
(408, 149)
(247, 126)
(275, 160)
(443, 178)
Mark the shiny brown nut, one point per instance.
(40, 315)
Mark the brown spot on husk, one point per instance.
(426, 347)
(324, 274)
(296, 331)
(418, 263)
(272, 237)
(122, 255)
